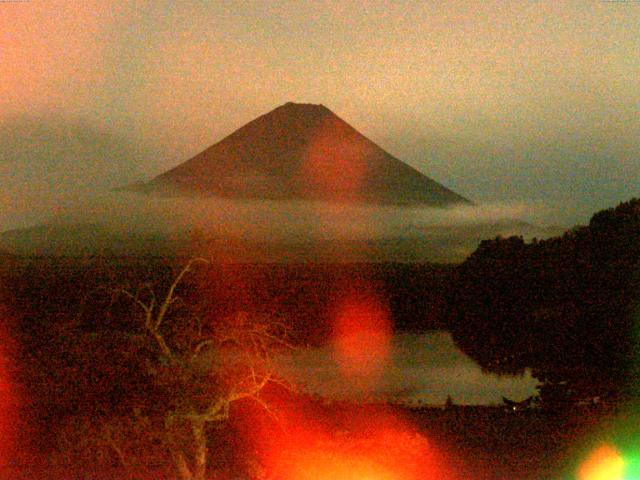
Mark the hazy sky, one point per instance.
(523, 101)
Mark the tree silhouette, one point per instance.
(563, 307)
(196, 369)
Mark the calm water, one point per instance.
(422, 368)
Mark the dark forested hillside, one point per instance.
(44, 289)
(565, 307)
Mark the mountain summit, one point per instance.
(301, 151)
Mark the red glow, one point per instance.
(362, 335)
(8, 394)
(604, 463)
(371, 444)
(335, 164)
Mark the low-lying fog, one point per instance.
(282, 219)
(114, 221)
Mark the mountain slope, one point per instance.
(301, 151)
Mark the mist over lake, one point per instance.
(424, 368)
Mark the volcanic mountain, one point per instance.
(301, 151)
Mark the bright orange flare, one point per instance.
(362, 335)
(604, 463)
(335, 166)
(328, 464)
(369, 443)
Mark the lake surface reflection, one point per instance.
(423, 368)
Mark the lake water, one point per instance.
(424, 368)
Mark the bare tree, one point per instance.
(200, 369)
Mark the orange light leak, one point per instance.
(312, 440)
(335, 166)
(604, 463)
(362, 335)
(372, 445)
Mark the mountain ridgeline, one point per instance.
(295, 185)
(301, 151)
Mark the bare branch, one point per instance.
(238, 363)
(146, 308)
(200, 346)
(171, 292)
(108, 434)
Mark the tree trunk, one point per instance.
(200, 457)
(184, 473)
